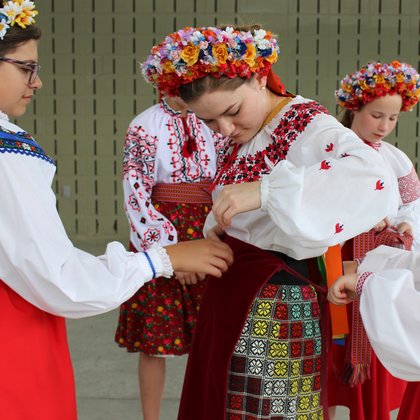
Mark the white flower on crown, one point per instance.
(11, 9)
(20, 12)
(259, 35)
(196, 37)
(4, 26)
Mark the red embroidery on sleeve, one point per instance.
(409, 186)
(379, 185)
(338, 227)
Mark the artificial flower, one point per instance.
(193, 53)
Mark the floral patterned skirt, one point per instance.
(160, 318)
(275, 370)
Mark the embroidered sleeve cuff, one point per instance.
(359, 260)
(161, 261)
(361, 281)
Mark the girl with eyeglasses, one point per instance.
(44, 278)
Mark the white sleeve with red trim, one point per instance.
(390, 308)
(147, 225)
(409, 187)
(331, 188)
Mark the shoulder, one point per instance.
(149, 117)
(391, 149)
(397, 158)
(306, 105)
(304, 115)
(8, 127)
(14, 139)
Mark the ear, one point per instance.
(261, 81)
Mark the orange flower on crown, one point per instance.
(273, 57)
(168, 66)
(220, 53)
(190, 54)
(250, 55)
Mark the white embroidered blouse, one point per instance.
(390, 308)
(38, 260)
(402, 168)
(321, 185)
(155, 152)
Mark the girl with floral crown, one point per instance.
(373, 98)
(289, 185)
(43, 277)
(169, 164)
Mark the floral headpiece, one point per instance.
(375, 80)
(20, 12)
(193, 53)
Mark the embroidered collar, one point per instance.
(374, 145)
(3, 116)
(20, 142)
(168, 109)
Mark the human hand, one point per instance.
(215, 233)
(203, 256)
(343, 290)
(187, 279)
(382, 225)
(350, 267)
(404, 227)
(234, 199)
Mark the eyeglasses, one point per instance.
(32, 68)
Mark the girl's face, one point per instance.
(375, 120)
(238, 114)
(15, 90)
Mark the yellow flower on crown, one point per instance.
(190, 54)
(168, 66)
(220, 53)
(250, 55)
(379, 78)
(347, 88)
(400, 77)
(363, 85)
(273, 57)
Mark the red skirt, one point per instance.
(212, 384)
(374, 399)
(36, 375)
(160, 318)
(410, 407)
(377, 396)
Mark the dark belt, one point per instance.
(283, 277)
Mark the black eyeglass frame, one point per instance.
(34, 68)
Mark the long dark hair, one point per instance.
(16, 36)
(347, 118)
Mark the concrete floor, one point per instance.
(106, 375)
